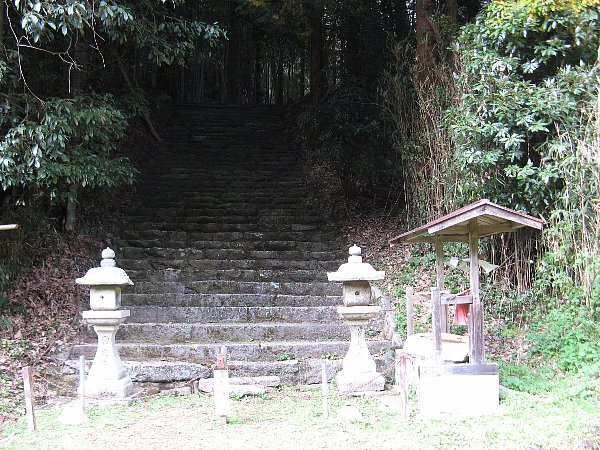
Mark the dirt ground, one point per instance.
(293, 418)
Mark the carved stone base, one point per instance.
(107, 377)
(350, 382)
(358, 373)
(121, 388)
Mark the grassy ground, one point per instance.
(293, 418)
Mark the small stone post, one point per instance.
(221, 387)
(359, 373)
(107, 378)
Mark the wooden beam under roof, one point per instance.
(454, 227)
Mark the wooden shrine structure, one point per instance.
(468, 224)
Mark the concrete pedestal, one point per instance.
(459, 389)
(107, 376)
(359, 373)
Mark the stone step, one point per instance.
(246, 351)
(227, 253)
(236, 287)
(203, 202)
(228, 300)
(230, 314)
(188, 273)
(301, 372)
(253, 210)
(182, 333)
(220, 227)
(185, 194)
(164, 218)
(170, 269)
(323, 234)
(248, 245)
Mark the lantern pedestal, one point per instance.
(359, 373)
(107, 377)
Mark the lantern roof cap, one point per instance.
(108, 274)
(355, 269)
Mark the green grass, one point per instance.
(293, 418)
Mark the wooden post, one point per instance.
(401, 382)
(82, 384)
(476, 350)
(221, 387)
(325, 389)
(439, 270)
(29, 397)
(435, 321)
(410, 299)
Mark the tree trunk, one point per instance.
(316, 54)
(352, 51)
(71, 208)
(2, 8)
(258, 90)
(302, 74)
(202, 76)
(279, 80)
(426, 51)
(451, 9)
(289, 80)
(233, 55)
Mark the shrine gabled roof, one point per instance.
(454, 227)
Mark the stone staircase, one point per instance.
(225, 247)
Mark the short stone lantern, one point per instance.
(359, 373)
(107, 377)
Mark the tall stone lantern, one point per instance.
(107, 377)
(359, 373)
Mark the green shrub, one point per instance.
(527, 68)
(566, 336)
(61, 143)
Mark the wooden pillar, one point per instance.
(435, 321)
(439, 270)
(476, 347)
(410, 299)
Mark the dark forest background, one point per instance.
(414, 108)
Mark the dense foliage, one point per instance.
(527, 66)
(63, 142)
(60, 124)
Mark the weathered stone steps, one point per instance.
(225, 247)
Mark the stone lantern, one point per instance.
(107, 377)
(359, 373)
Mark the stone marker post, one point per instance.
(221, 387)
(107, 378)
(359, 373)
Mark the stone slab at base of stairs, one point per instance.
(241, 386)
